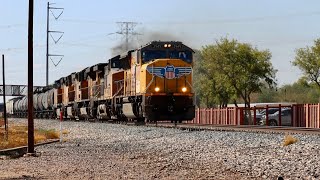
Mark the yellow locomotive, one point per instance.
(151, 83)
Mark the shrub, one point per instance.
(18, 136)
(288, 139)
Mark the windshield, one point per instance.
(185, 55)
(150, 55)
(160, 54)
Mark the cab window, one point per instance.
(151, 55)
(184, 55)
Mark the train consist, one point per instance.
(152, 83)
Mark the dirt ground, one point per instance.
(110, 166)
(104, 151)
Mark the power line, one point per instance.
(73, 42)
(11, 26)
(211, 21)
(89, 21)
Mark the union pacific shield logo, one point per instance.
(169, 72)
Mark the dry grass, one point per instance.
(1, 122)
(288, 139)
(18, 136)
(65, 131)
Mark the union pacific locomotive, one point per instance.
(152, 83)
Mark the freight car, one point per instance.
(153, 82)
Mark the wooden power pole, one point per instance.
(30, 80)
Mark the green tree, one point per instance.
(238, 68)
(308, 61)
(300, 92)
(267, 95)
(198, 77)
(209, 91)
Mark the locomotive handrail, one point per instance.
(84, 88)
(119, 83)
(149, 84)
(189, 85)
(96, 91)
(117, 92)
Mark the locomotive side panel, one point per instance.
(118, 83)
(127, 83)
(108, 82)
(135, 73)
(91, 84)
(55, 97)
(95, 86)
(65, 95)
(84, 88)
(77, 86)
(71, 93)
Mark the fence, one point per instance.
(221, 116)
(302, 115)
(310, 114)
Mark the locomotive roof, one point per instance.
(153, 45)
(121, 56)
(96, 67)
(166, 45)
(99, 67)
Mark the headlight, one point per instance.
(184, 89)
(157, 89)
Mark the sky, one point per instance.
(90, 30)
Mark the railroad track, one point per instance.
(209, 127)
(235, 128)
(242, 128)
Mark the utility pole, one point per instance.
(49, 8)
(47, 52)
(4, 100)
(30, 80)
(127, 29)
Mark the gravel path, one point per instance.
(110, 151)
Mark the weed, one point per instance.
(18, 136)
(52, 134)
(288, 139)
(65, 131)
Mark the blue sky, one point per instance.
(280, 26)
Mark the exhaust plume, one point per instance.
(136, 42)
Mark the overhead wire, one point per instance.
(79, 42)
(212, 21)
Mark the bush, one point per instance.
(18, 136)
(288, 139)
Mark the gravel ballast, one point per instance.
(113, 151)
